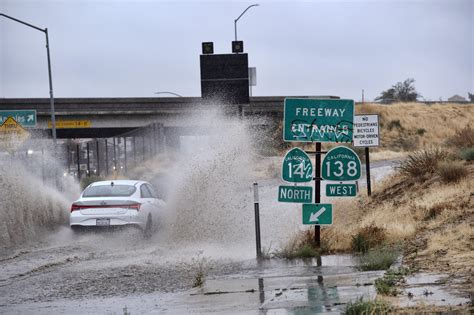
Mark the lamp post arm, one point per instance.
(172, 93)
(253, 5)
(237, 19)
(24, 23)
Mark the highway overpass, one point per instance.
(109, 117)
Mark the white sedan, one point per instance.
(117, 203)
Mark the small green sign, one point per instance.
(26, 118)
(297, 167)
(317, 213)
(341, 164)
(298, 194)
(318, 120)
(341, 190)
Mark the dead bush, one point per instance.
(406, 143)
(452, 172)
(436, 209)
(421, 163)
(302, 245)
(394, 124)
(368, 237)
(462, 138)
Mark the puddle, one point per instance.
(280, 286)
(427, 289)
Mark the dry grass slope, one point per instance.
(410, 126)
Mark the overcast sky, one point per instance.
(135, 48)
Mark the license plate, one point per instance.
(103, 222)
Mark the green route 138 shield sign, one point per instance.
(297, 167)
(341, 164)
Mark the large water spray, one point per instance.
(30, 202)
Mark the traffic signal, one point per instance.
(237, 46)
(207, 48)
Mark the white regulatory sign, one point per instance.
(366, 131)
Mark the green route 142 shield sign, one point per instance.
(318, 120)
(297, 167)
(341, 164)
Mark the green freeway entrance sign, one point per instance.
(297, 167)
(26, 118)
(317, 213)
(301, 194)
(313, 120)
(341, 164)
(341, 190)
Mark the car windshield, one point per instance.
(109, 191)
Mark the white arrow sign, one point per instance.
(314, 216)
(30, 118)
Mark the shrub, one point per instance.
(199, 268)
(463, 138)
(467, 154)
(306, 251)
(362, 306)
(378, 259)
(302, 246)
(394, 124)
(434, 211)
(420, 131)
(359, 243)
(367, 238)
(420, 163)
(406, 143)
(386, 284)
(452, 172)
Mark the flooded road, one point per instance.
(109, 272)
(74, 284)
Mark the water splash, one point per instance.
(29, 206)
(209, 197)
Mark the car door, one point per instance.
(147, 201)
(157, 203)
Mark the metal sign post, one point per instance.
(367, 171)
(367, 134)
(257, 221)
(317, 191)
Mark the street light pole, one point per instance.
(51, 96)
(237, 19)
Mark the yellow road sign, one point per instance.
(12, 135)
(68, 124)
